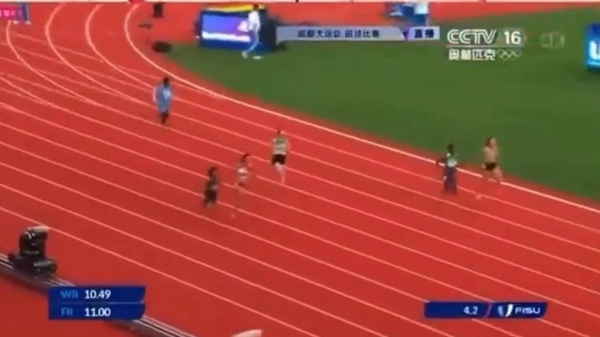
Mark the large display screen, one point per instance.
(225, 28)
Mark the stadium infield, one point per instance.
(337, 251)
(538, 106)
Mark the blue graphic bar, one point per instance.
(96, 293)
(90, 311)
(491, 310)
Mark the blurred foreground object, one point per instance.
(31, 257)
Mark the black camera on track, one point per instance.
(31, 258)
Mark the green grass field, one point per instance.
(541, 107)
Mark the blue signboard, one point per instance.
(592, 46)
(225, 29)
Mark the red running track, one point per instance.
(352, 246)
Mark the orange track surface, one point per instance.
(352, 246)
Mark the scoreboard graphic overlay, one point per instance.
(96, 303)
(485, 310)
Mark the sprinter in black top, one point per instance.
(211, 190)
(450, 162)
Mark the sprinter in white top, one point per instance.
(254, 25)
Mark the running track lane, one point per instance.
(309, 132)
(505, 234)
(561, 230)
(559, 207)
(232, 155)
(193, 201)
(81, 263)
(77, 142)
(104, 33)
(534, 222)
(38, 146)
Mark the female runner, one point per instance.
(211, 190)
(243, 172)
(163, 95)
(281, 148)
(491, 169)
(450, 162)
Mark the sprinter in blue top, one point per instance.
(162, 97)
(450, 162)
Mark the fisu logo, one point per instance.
(594, 50)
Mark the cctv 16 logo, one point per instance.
(518, 310)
